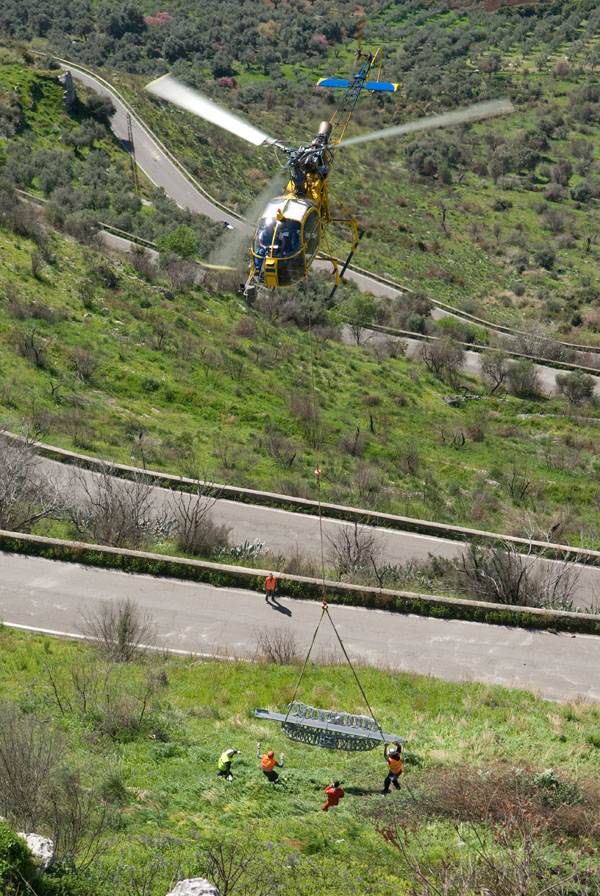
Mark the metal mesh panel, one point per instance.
(331, 740)
(350, 739)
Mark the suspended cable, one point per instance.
(325, 609)
(315, 416)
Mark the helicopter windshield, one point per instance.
(286, 239)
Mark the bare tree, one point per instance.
(353, 548)
(115, 511)
(32, 347)
(193, 527)
(78, 819)
(30, 751)
(494, 367)
(500, 574)
(121, 628)
(36, 789)
(444, 358)
(238, 871)
(282, 449)
(277, 646)
(26, 493)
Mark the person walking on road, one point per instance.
(394, 760)
(334, 795)
(268, 763)
(270, 586)
(224, 764)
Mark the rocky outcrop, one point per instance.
(69, 95)
(194, 886)
(42, 849)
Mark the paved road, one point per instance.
(285, 533)
(50, 596)
(471, 360)
(155, 164)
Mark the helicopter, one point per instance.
(292, 227)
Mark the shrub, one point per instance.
(29, 754)
(576, 386)
(17, 868)
(278, 646)
(120, 628)
(524, 379)
(545, 257)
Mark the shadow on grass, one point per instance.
(361, 791)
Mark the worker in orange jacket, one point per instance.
(268, 763)
(393, 758)
(334, 795)
(270, 586)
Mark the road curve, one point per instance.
(45, 595)
(150, 157)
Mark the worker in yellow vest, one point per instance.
(268, 763)
(393, 758)
(224, 764)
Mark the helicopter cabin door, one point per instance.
(287, 238)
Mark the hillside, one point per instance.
(499, 218)
(125, 361)
(488, 773)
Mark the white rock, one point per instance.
(193, 886)
(42, 848)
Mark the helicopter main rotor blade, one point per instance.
(169, 88)
(233, 248)
(445, 119)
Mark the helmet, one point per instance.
(270, 754)
(230, 752)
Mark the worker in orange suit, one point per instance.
(393, 758)
(270, 586)
(268, 763)
(334, 795)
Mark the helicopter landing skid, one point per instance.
(249, 289)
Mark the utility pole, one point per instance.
(132, 161)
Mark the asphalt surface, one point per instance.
(285, 533)
(199, 619)
(153, 161)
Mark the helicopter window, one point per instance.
(287, 238)
(311, 235)
(263, 239)
(296, 209)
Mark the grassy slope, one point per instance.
(206, 707)
(184, 385)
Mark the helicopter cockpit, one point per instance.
(286, 240)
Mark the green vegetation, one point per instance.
(96, 359)
(152, 765)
